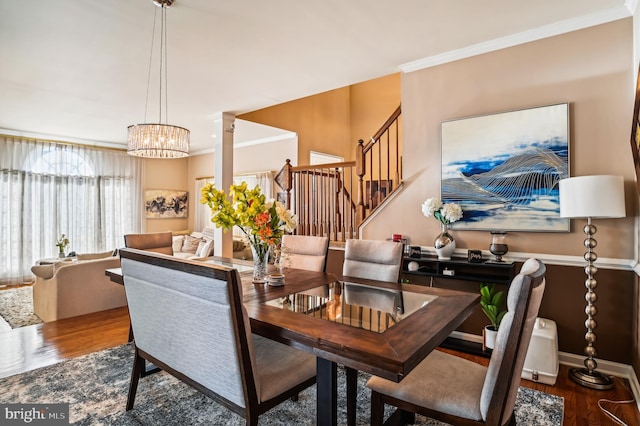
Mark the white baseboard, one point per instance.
(610, 368)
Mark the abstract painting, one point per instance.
(165, 204)
(503, 169)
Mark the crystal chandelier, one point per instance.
(157, 140)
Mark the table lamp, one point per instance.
(591, 197)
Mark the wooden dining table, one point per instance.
(389, 331)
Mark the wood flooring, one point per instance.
(35, 346)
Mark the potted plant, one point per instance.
(491, 302)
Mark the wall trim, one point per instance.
(549, 259)
(561, 27)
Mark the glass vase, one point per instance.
(260, 262)
(444, 243)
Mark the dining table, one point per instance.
(380, 328)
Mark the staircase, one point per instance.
(334, 199)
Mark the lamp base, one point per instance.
(593, 379)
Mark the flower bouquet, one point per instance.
(446, 214)
(62, 243)
(263, 222)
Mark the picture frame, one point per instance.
(503, 169)
(377, 191)
(166, 204)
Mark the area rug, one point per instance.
(96, 388)
(16, 307)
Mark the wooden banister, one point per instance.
(322, 196)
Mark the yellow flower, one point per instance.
(263, 222)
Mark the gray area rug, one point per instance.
(16, 307)
(96, 388)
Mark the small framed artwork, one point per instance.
(377, 191)
(166, 204)
(503, 169)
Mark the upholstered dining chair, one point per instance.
(158, 242)
(458, 391)
(188, 319)
(374, 260)
(305, 252)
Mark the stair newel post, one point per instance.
(284, 179)
(361, 169)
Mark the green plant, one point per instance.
(491, 302)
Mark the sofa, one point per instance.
(198, 245)
(76, 286)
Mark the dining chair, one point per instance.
(460, 392)
(374, 260)
(158, 242)
(305, 252)
(188, 320)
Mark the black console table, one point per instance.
(460, 269)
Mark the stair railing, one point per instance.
(322, 195)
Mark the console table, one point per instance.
(459, 269)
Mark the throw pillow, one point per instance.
(190, 244)
(238, 245)
(205, 248)
(209, 233)
(178, 240)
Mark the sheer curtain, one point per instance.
(202, 218)
(47, 189)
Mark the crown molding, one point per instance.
(561, 27)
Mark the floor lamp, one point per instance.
(591, 197)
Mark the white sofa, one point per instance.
(199, 245)
(76, 287)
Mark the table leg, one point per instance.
(352, 394)
(327, 392)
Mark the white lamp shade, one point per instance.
(600, 196)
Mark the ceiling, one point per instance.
(77, 69)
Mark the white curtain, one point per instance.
(47, 189)
(202, 218)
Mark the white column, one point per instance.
(223, 173)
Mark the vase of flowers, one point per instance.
(62, 243)
(263, 222)
(446, 214)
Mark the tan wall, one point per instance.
(332, 122)
(172, 175)
(590, 69)
(371, 103)
(321, 122)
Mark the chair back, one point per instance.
(305, 252)
(512, 342)
(374, 260)
(189, 316)
(158, 242)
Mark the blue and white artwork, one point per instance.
(503, 169)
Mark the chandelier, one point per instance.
(157, 140)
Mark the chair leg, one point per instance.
(377, 409)
(352, 395)
(136, 373)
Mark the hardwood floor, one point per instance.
(35, 346)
